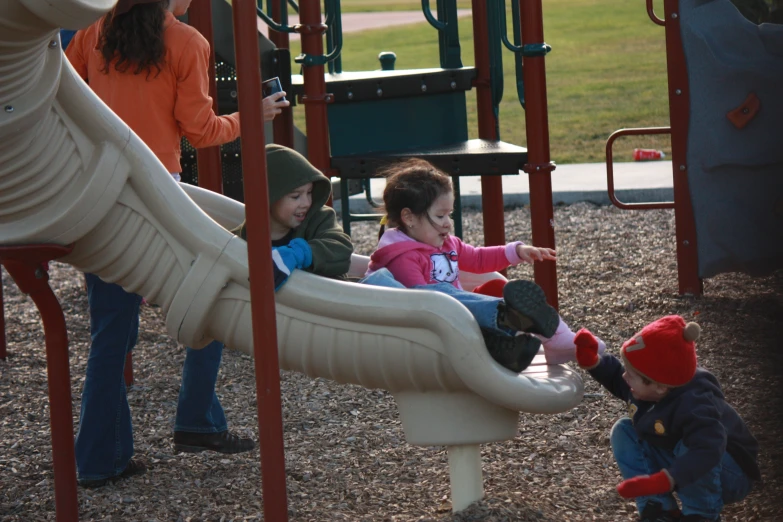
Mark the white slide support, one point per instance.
(72, 173)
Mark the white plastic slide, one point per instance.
(72, 173)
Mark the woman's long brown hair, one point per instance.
(134, 40)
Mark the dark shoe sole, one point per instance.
(222, 442)
(527, 309)
(184, 448)
(513, 353)
(134, 467)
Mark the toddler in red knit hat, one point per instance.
(680, 434)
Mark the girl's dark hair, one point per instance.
(134, 39)
(414, 184)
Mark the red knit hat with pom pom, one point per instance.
(664, 351)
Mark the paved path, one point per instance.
(634, 182)
(355, 22)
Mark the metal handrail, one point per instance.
(437, 24)
(652, 15)
(294, 6)
(529, 50)
(336, 30)
(610, 168)
(280, 28)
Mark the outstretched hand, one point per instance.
(586, 349)
(531, 254)
(644, 485)
(274, 105)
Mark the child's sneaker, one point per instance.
(525, 309)
(653, 512)
(513, 353)
(560, 348)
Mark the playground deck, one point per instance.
(346, 456)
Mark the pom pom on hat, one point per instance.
(664, 351)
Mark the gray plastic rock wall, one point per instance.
(735, 175)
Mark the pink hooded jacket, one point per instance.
(413, 263)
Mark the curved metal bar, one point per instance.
(294, 6)
(425, 8)
(516, 18)
(652, 15)
(280, 28)
(529, 50)
(337, 35)
(610, 168)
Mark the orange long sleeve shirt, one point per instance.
(160, 108)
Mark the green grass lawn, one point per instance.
(606, 71)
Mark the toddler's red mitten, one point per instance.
(644, 485)
(586, 349)
(492, 288)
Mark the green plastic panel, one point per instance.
(397, 124)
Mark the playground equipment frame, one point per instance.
(685, 224)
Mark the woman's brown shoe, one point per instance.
(222, 442)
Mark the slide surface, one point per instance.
(72, 173)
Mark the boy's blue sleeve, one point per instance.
(609, 373)
(296, 254)
(65, 37)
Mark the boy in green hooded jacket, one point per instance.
(305, 233)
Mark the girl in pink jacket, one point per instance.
(418, 251)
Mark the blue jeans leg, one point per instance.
(723, 484)
(199, 409)
(633, 459)
(483, 307)
(104, 443)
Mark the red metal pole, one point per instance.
(128, 371)
(283, 124)
(210, 169)
(3, 352)
(315, 97)
(25, 264)
(262, 293)
(491, 186)
(539, 166)
(679, 108)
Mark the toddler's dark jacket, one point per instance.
(696, 414)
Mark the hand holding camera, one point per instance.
(274, 98)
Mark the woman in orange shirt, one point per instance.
(152, 71)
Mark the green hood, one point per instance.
(288, 170)
(332, 248)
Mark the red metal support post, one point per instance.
(491, 186)
(26, 266)
(283, 124)
(539, 166)
(210, 169)
(315, 98)
(679, 109)
(270, 416)
(3, 352)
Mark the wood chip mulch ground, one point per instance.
(346, 455)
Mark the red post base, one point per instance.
(2, 321)
(128, 374)
(26, 265)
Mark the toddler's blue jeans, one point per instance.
(724, 484)
(483, 307)
(104, 443)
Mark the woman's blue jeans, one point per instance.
(104, 443)
(483, 307)
(726, 483)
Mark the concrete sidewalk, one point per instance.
(355, 22)
(633, 183)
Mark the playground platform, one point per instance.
(634, 182)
